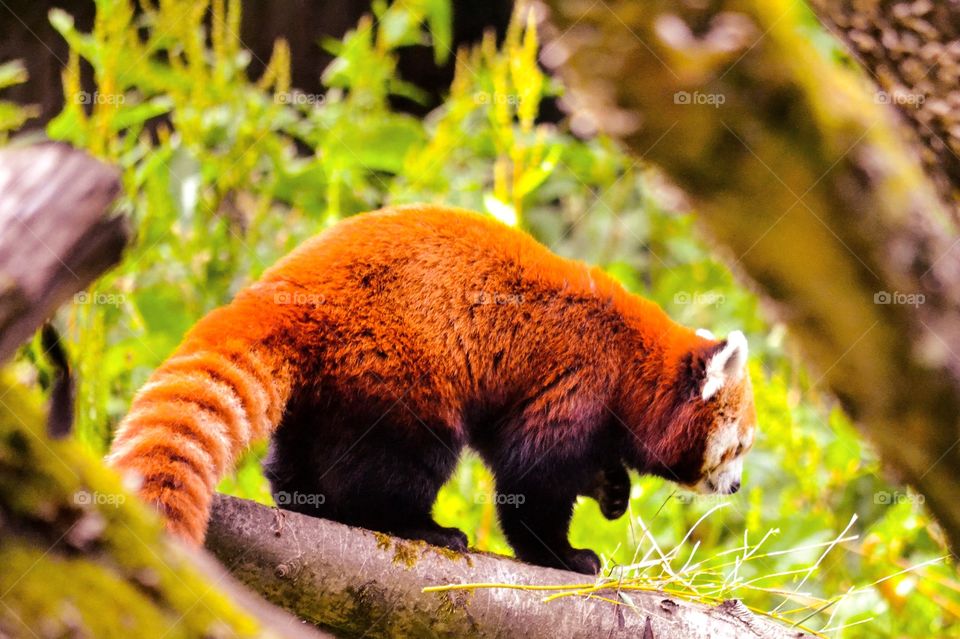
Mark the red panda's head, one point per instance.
(701, 424)
(730, 418)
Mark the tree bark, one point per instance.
(359, 583)
(56, 233)
(813, 188)
(79, 558)
(911, 49)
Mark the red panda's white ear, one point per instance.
(704, 333)
(727, 364)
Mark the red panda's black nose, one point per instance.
(735, 486)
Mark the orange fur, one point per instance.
(446, 311)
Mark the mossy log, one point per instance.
(813, 188)
(359, 583)
(79, 557)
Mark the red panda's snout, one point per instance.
(728, 394)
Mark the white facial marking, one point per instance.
(705, 334)
(718, 443)
(726, 365)
(729, 477)
(723, 477)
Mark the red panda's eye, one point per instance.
(739, 450)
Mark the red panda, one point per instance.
(374, 352)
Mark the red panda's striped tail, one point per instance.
(189, 423)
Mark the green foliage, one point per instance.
(218, 190)
(12, 116)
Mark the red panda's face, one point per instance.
(731, 419)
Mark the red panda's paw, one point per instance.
(451, 538)
(582, 560)
(615, 507)
(614, 493)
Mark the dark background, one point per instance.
(26, 34)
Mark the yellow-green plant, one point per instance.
(504, 85)
(13, 116)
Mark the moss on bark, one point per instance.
(82, 559)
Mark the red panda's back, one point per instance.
(420, 249)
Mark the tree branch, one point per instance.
(56, 234)
(361, 583)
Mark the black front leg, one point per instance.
(611, 488)
(536, 518)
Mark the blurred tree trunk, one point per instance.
(911, 49)
(810, 182)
